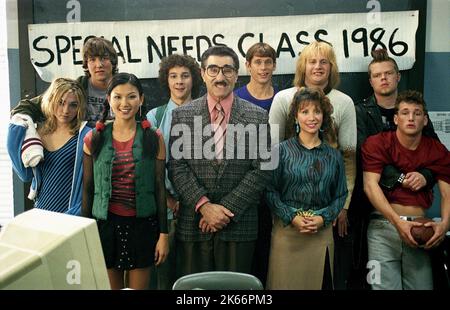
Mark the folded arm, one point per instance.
(30, 107)
(15, 138)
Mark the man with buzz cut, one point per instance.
(403, 265)
(375, 114)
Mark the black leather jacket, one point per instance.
(369, 121)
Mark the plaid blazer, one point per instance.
(236, 183)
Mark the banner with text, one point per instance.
(56, 49)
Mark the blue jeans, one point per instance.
(401, 266)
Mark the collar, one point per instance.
(171, 104)
(297, 141)
(226, 103)
(326, 90)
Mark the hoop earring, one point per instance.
(297, 128)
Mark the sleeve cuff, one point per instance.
(288, 219)
(201, 202)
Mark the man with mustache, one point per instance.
(219, 192)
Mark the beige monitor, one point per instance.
(47, 250)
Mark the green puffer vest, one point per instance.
(144, 177)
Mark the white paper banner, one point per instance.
(55, 49)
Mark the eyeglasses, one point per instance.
(227, 70)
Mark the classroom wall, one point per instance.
(354, 84)
(429, 74)
(437, 64)
(14, 88)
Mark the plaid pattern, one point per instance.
(234, 183)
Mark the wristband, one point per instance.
(401, 178)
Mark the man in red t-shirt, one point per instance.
(402, 264)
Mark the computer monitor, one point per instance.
(48, 250)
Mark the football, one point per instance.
(422, 234)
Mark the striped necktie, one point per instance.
(220, 129)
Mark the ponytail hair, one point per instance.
(381, 55)
(150, 141)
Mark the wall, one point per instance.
(437, 55)
(14, 87)
(354, 84)
(437, 64)
(434, 58)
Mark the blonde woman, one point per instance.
(57, 180)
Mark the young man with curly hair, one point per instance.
(180, 78)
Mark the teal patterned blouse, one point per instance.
(307, 180)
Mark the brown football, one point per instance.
(422, 234)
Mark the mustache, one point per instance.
(224, 83)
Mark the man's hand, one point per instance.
(404, 231)
(215, 215)
(342, 223)
(440, 229)
(205, 228)
(414, 181)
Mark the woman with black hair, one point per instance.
(123, 185)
